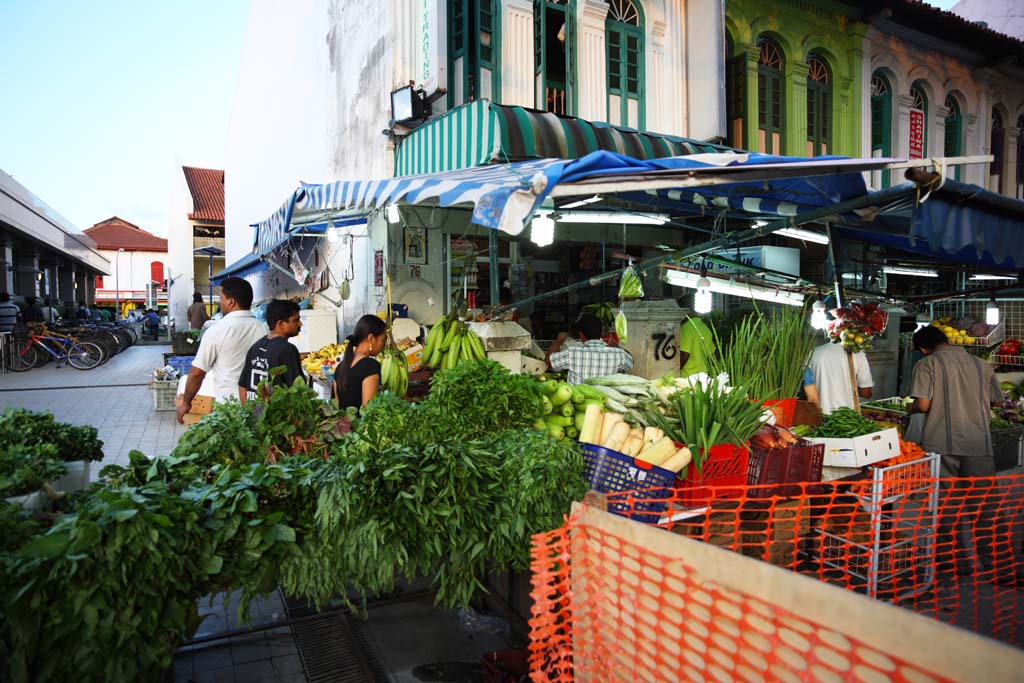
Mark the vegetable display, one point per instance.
(844, 423)
(649, 444)
(450, 342)
(856, 325)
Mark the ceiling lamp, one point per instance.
(332, 231)
(393, 214)
(542, 229)
(612, 218)
(919, 272)
(983, 276)
(992, 312)
(702, 302)
(923, 319)
(681, 278)
(818, 318)
(803, 235)
(581, 202)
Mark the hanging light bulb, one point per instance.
(992, 312)
(702, 302)
(818, 319)
(542, 229)
(393, 215)
(923, 319)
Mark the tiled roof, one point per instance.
(207, 188)
(116, 233)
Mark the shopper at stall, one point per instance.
(196, 312)
(357, 376)
(956, 391)
(696, 345)
(593, 358)
(273, 351)
(222, 350)
(827, 381)
(564, 340)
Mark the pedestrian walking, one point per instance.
(222, 350)
(196, 313)
(273, 351)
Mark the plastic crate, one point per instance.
(181, 363)
(784, 411)
(507, 666)
(163, 394)
(725, 465)
(609, 471)
(798, 463)
(1006, 447)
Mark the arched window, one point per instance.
(953, 146)
(819, 96)
(995, 172)
(554, 45)
(881, 124)
(624, 38)
(1020, 157)
(735, 93)
(472, 51)
(918, 121)
(770, 66)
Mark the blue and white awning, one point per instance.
(505, 196)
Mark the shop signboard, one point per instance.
(428, 43)
(916, 134)
(378, 268)
(782, 259)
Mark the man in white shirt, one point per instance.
(50, 314)
(223, 348)
(828, 380)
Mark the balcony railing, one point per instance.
(555, 100)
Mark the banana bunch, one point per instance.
(331, 352)
(449, 342)
(394, 371)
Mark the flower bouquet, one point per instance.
(855, 326)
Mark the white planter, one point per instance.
(76, 479)
(30, 501)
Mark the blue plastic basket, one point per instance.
(609, 471)
(181, 363)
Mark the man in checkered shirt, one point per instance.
(593, 358)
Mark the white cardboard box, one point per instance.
(861, 450)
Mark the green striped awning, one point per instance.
(482, 132)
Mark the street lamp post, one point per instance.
(117, 285)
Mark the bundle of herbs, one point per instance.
(21, 427)
(766, 352)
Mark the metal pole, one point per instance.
(492, 243)
(117, 285)
(734, 238)
(210, 280)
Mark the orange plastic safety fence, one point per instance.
(950, 549)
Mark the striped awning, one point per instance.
(482, 132)
(247, 265)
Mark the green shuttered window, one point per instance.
(624, 41)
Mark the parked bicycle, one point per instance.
(40, 348)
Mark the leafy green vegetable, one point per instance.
(21, 427)
(844, 423)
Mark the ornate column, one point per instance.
(517, 68)
(753, 55)
(1010, 165)
(901, 125)
(794, 111)
(844, 131)
(657, 99)
(937, 131)
(591, 61)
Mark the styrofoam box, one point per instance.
(861, 450)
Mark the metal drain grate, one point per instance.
(333, 649)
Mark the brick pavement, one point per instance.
(114, 398)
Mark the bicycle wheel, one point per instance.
(42, 357)
(21, 356)
(84, 355)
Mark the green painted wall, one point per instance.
(801, 28)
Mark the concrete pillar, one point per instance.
(592, 64)
(901, 125)
(753, 54)
(26, 273)
(975, 173)
(6, 268)
(517, 53)
(65, 288)
(794, 109)
(1010, 162)
(90, 288)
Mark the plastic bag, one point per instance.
(620, 326)
(630, 287)
(474, 623)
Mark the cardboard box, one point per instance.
(414, 357)
(201, 405)
(861, 450)
(192, 418)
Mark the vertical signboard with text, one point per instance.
(916, 134)
(428, 54)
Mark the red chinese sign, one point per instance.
(378, 268)
(916, 134)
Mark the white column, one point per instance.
(659, 92)
(937, 132)
(517, 53)
(974, 173)
(591, 61)
(1010, 165)
(901, 125)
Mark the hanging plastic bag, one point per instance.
(630, 287)
(620, 326)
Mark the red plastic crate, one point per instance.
(798, 463)
(726, 466)
(784, 410)
(506, 666)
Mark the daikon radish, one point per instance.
(634, 442)
(652, 434)
(608, 424)
(658, 452)
(678, 461)
(592, 421)
(618, 437)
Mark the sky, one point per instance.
(100, 99)
(103, 101)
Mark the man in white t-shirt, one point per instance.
(222, 349)
(828, 380)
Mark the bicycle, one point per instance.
(26, 354)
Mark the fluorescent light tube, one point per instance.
(982, 276)
(581, 202)
(780, 296)
(803, 235)
(920, 272)
(393, 215)
(613, 218)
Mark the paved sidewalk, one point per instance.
(114, 398)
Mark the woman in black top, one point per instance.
(357, 376)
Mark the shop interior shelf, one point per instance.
(995, 336)
(1010, 361)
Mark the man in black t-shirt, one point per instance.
(273, 350)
